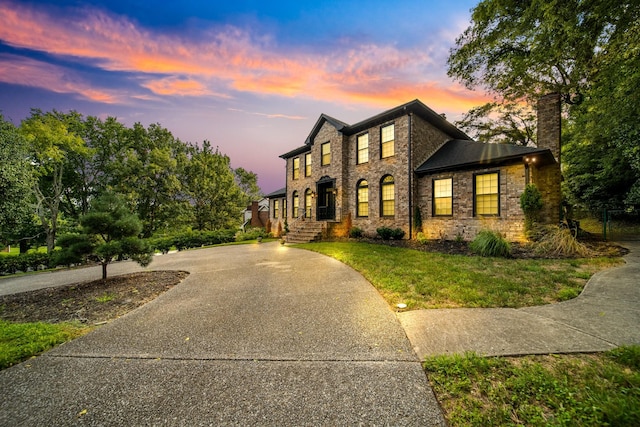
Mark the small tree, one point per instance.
(114, 232)
(531, 203)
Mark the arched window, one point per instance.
(295, 202)
(308, 200)
(363, 198)
(387, 196)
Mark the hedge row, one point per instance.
(34, 260)
(194, 239)
(30, 261)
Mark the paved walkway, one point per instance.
(272, 335)
(606, 315)
(256, 335)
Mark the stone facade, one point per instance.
(419, 134)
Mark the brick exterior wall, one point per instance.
(416, 191)
(463, 223)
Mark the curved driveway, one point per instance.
(256, 335)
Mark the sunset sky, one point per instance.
(252, 77)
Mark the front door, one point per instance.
(326, 201)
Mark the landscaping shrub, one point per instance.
(531, 203)
(250, 234)
(355, 232)
(193, 239)
(490, 244)
(387, 233)
(558, 241)
(421, 238)
(24, 262)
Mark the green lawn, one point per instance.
(553, 390)
(568, 390)
(19, 341)
(433, 280)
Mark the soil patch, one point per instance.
(91, 302)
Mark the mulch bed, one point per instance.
(89, 302)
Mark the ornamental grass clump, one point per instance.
(490, 244)
(559, 241)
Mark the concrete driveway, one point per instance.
(257, 335)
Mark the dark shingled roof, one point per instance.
(416, 107)
(461, 154)
(277, 194)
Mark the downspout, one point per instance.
(410, 169)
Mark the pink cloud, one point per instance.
(29, 72)
(230, 58)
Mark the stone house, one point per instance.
(387, 169)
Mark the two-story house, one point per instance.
(408, 161)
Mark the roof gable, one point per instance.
(339, 125)
(462, 154)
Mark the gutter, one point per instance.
(410, 173)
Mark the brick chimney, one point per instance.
(255, 215)
(549, 123)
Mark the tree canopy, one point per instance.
(57, 166)
(586, 50)
(16, 181)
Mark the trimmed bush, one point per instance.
(24, 262)
(250, 234)
(490, 244)
(355, 232)
(387, 233)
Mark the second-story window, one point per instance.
(325, 152)
(296, 168)
(307, 164)
(387, 141)
(363, 148)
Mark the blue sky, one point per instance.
(252, 77)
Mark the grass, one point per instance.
(586, 390)
(433, 280)
(105, 298)
(20, 341)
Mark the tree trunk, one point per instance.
(104, 271)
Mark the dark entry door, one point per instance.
(326, 201)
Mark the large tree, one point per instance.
(586, 50)
(146, 171)
(210, 183)
(51, 143)
(16, 181)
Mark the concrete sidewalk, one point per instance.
(606, 315)
(256, 335)
(272, 335)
